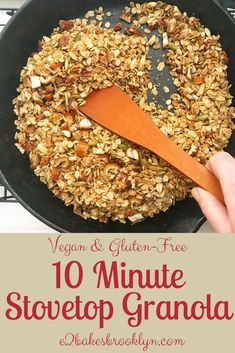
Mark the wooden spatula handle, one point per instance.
(190, 167)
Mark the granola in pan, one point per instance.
(97, 172)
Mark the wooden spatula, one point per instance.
(113, 109)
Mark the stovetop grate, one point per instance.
(5, 196)
(5, 15)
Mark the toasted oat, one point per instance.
(155, 91)
(152, 40)
(166, 89)
(143, 20)
(90, 14)
(157, 46)
(161, 66)
(107, 24)
(99, 17)
(165, 40)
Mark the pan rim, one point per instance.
(199, 221)
(197, 226)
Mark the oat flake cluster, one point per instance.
(98, 173)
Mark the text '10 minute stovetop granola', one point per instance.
(100, 174)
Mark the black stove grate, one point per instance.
(5, 196)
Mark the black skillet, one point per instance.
(18, 41)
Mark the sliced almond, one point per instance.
(132, 153)
(35, 82)
(165, 40)
(85, 124)
(136, 218)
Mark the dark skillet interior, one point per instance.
(18, 41)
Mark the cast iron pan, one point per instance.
(18, 41)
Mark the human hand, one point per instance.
(221, 217)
